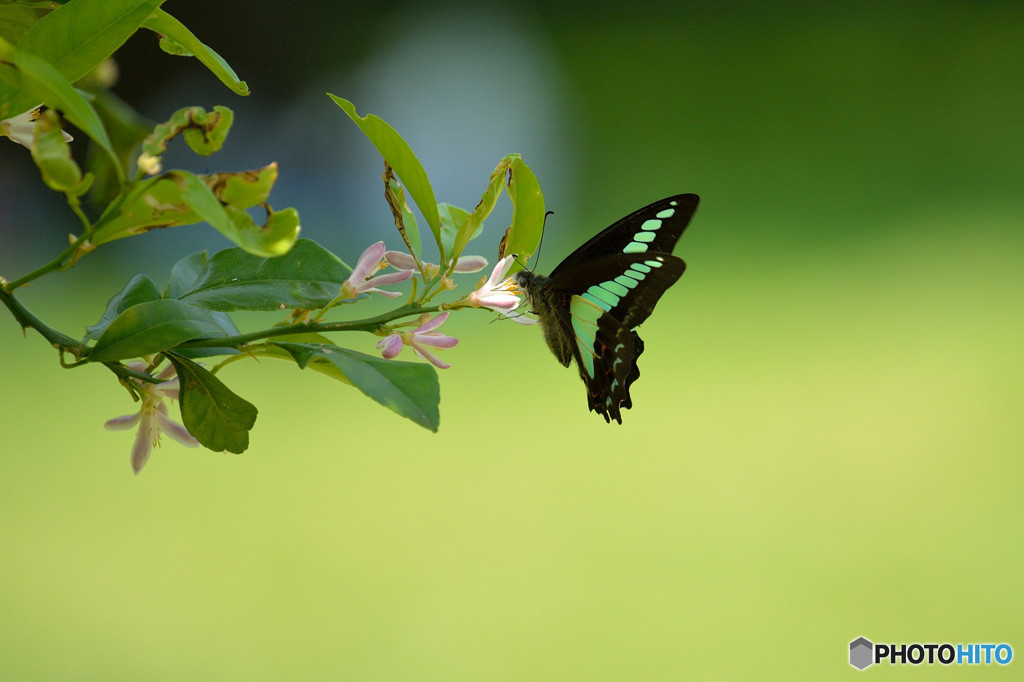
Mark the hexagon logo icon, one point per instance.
(861, 653)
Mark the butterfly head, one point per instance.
(529, 283)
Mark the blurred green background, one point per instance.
(826, 440)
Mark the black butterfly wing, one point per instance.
(595, 298)
(625, 285)
(590, 314)
(653, 228)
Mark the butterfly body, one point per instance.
(592, 302)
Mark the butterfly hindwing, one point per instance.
(606, 353)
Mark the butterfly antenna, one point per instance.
(543, 230)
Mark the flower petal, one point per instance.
(430, 357)
(170, 393)
(433, 324)
(382, 292)
(470, 264)
(497, 301)
(21, 128)
(390, 346)
(122, 423)
(401, 261)
(500, 268)
(435, 340)
(391, 277)
(141, 450)
(167, 374)
(521, 318)
(177, 432)
(367, 263)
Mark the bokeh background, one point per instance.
(827, 435)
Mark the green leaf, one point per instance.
(15, 20)
(212, 413)
(42, 83)
(408, 388)
(523, 235)
(181, 198)
(309, 277)
(243, 189)
(317, 364)
(453, 221)
(52, 156)
(204, 131)
(219, 200)
(273, 238)
(151, 327)
(151, 203)
(228, 327)
(163, 23)
(399, 156)
(140, 289)
(77, 36)
(200, 198)
(184, 274)
(474, 223)
(81, 34)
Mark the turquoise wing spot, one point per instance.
(604, 295)
(640, 267)
(651, 224)
(586, 334)
(635, 247)
(646, 237)
(667, 213)
(615, 288)
(596, 301)
(653, 263)
(627, 281)
(585, 314)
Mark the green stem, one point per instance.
(26, 319)
(56, 264)
(370, 324)
(76, 208)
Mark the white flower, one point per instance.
(417, 339)
(19, 128)
(500, 294)
(364, 276)
(152, 418)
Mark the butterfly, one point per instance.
(591, 303)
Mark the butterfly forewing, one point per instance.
(653, 228)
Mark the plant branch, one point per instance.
(26, 319)
(56, 264)
(370, 324)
